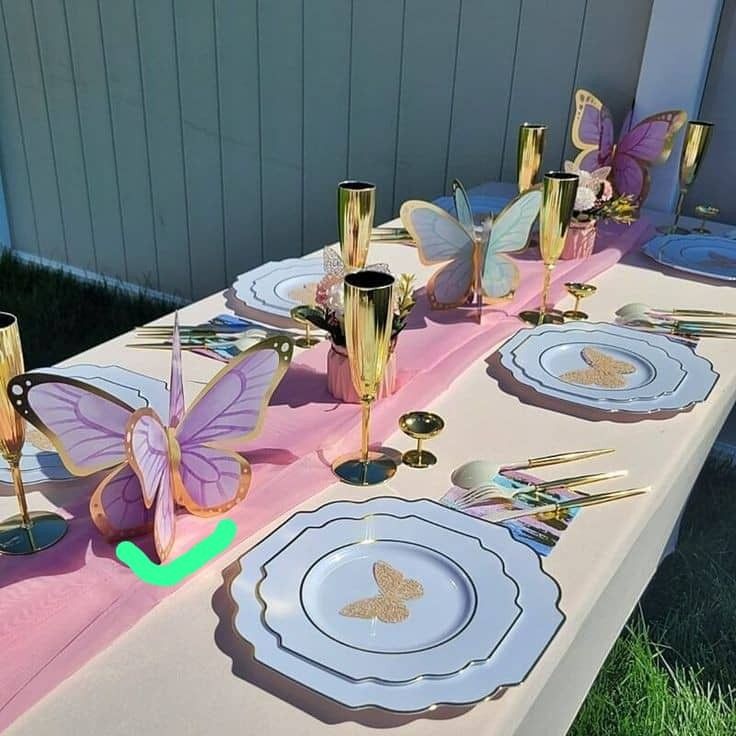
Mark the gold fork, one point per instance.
(573, 503)
(486, 490)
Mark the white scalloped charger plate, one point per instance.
(278, 286)
(510, 663)
(713, 256)
(543, 357)
(693, 388)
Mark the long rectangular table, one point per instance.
(167, 674)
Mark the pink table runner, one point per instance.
(60, 608)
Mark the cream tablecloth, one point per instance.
(167, 675)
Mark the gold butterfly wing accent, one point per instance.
(381, 607)
(388, 606)
(332, 262)
(583, 98)
(604, 370)
(392, 583)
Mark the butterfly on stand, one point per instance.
(640, 146)
(152, 467)
(477, 266)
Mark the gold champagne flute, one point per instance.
(26, 532)
(529, 153)
(697, 138)
(369, 310)
(356, 204)
(558, 199)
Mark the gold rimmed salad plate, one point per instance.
(378, 598)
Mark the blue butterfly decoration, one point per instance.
(477, 266)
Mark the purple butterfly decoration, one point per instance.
(155, 467)
(640, 146)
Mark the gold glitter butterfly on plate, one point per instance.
(604, 370)
(388, 606)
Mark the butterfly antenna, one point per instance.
(176, 391)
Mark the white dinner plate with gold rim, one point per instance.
(277, 287)
(562, 380)
(510, 663)
(467, 604)
(713, 256)
(545, 356)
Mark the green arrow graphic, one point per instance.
(175, 571)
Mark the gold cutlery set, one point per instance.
(476, 479)
(198, 337)
(689, 324)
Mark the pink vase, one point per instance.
(340, 384)
(580, 240)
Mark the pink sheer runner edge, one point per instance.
(60, 608)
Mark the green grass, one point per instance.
(691, 604)
(671, 672)
(60, 316)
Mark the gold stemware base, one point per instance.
(700, 230)
(306, 342)
(574, 314)
(355, 471)
(45, 531)
(536, 317)
(419, 458)
(671, 230)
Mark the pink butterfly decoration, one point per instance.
(640, 146)
(154, 467)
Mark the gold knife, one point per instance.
(573, 503)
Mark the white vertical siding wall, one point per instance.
(175, 143)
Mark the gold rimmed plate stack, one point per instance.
(611, 369)
(395, 604)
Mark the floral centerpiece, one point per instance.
(595, 202)
(328, 315)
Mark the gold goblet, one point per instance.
(529, 153)
(369, 310)
(420, 425)
(579, 291)
(26, 532)
(706, 211)
(558, 199)
(298, 314)
(697, 138)
(356, 204)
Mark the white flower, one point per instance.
(334, 301)
(585, 199)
